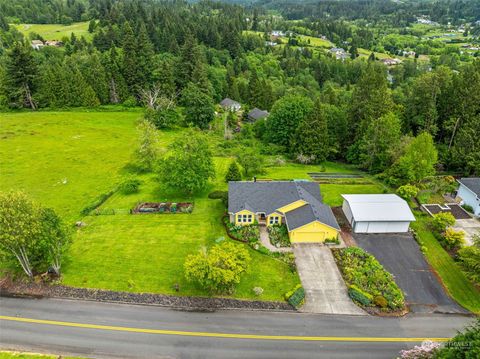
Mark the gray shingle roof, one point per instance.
(227, 102)
(257, 114)
(472, 183)
(268, 196)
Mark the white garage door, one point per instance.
(381, 227)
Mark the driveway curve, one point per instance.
(325, 290)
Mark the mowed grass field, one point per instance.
(55, 31)
(139, 253)
(21, 355)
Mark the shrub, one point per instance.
(441, 221)
(469, 258)
(465, 344)
(130, 102)
(407, 191)
(380, 301)
(217, 194)
(453, 239)
(426, 350)
(278, 235)
(218, 269)
(129, 185)
(97, 202)
(358, 296)
(467, 208)
(367, 279)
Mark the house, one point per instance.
(256, 114)
(469, 192)
(339, 53)
(391, 62)
(230, 105)
(297, 204)
(37, 44)
(270, 43)
(377, 213)
(54, 43)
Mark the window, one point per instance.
(273, 220)
(244, 218)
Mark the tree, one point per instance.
(286, 115)
(20, 74)
(457, 346)
(311, 137)
(251, 161)
(219, 269)
(417, 161)
(199, 107)
(56, 237)
(379, 143)
(188, 165)
(147, 151)
(371, 99)
(233, 173)
(20, 228)
(407, 191)
(453, 239)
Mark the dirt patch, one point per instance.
(456, 211)
(42, 290)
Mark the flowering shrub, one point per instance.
(425, 351)
(278, 235)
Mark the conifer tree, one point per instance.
(129, 58)
(20, 74)
(233, 173)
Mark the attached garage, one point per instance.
(377, 213)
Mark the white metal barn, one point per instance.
(377, 213)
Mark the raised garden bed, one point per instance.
(278, 235)
(453, 208)
(163, 207)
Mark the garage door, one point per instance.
(308, 237)
(377, 227)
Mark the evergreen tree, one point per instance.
(311, 137)
(130, 58)
(233, 173)
(20, 75)
(199, 107)
(144, 58)
(254, 89)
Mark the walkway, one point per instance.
(325, 289)
(265, 240)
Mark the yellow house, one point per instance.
(297, 204)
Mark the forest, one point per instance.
(179, 59)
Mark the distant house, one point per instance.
(230, 105)
(469, 193)
(377, 213)
(37, 44)
(297, 204)
(270, 43)
(256, 114)
(54, 43)
(340, 54)
(391, 62)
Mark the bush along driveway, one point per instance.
(325, 290)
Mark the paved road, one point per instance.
(120, 340)
(401, 256)
(325, 290)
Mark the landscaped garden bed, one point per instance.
(278, 235)
(163, 207)
(369, 284)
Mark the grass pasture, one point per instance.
(67, 159)
(56, 31)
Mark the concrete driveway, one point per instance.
(470, 226)
(325, 290)
(401, 256)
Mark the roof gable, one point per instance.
(472, 183)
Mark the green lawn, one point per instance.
(454, 280)
(66, 159)
(332, 192)
(56, 31)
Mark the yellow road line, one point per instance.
(217, 335)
